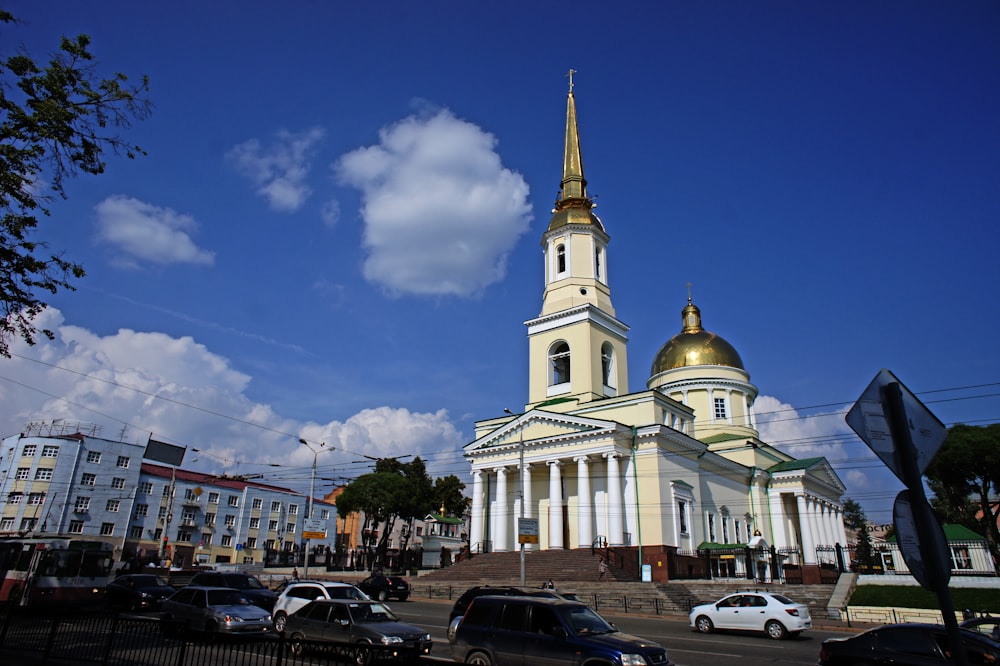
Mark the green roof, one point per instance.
(953, 532)
(445, 519)
(711, 545)
(682, 483)
(790, 465)
(721, 437)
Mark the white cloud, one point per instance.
(441, 212)
(183, 393)
(144, 233)
(279, 171)
(330, 213)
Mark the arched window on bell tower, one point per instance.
(559, 368)
(608, 368)
(560, 259)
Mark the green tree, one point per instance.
(448, 495)
(965, 479)
(54, 122)
(865, 557)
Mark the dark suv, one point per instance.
(481, 590)
(535, 630)
(248, 585)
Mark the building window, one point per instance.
(135, 532)
(213, 498)
(22, 473)
(725, 527)
(88, 479)
(608, 364)
(234, 500)
(227, 541)
(711, 527)
(117, 483)
(82, 505)
(7, 525)
(597, 262)
(269, 544)
(162, 512)
(187, 517)
(272, 526)
(206, 538)
(28, 524)
(107, 529)
(141, 510)
(251, 542)
(113, 505)
(122, 462)
(146, 488)
(157, 534)
(275, 507)
(29, 451)
(43, 474)
(682, 513)
(720, 408)
(324, 514)
(93, 456)
(293, 509)
(209, 520)
(36, 498)
(560, 258)
(960, 558)
(559, 364)
(290, 528)
(189, 494)
(15, 498)
(230, 520)
(50, 451)
(76, 527)
(183, 536)
(166, 491)
(255, 523)
(257, 504)
(736, 531)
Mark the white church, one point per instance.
(676, 473)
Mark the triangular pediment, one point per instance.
(539, 425)
(818, 469)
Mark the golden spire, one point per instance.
(573, 205)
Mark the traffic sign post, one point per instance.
(906, 436)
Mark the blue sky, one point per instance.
(335, 234)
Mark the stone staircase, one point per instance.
(577, 565)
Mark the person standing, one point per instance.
(602, 569)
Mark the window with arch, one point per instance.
(559, 364)
(560, 258)
(597, 262)
(608, 364)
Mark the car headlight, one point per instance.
(633, 660)
(233, 618)
(391, 640)
(425, 637)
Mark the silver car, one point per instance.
(213, 609)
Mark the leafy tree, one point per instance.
(448, 494)
(54, 123)
(965, 479)
(865, 558)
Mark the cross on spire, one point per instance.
(570, 75)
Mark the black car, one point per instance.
(536, 630)
(137, 592)
(909, 644)
(987, 625)
(385, 587)
(480, 590)
(248, 585)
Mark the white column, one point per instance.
(501, 514)
(585, 505)
(841, 530)
(808, 546)
(526, 500)
(779, 539)
(555, 507)
(616, 530)
(828, 524)
(476, 521)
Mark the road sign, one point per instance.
(910, 546)
(527, 530)
(313, 528)
(868, 419)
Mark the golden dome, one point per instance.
(695, 346)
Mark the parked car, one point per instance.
(552, 594)
(137, 592)
(537, 630)
(249, 585)
(906, 645)
(988, 625)
(774, 614)
(213, 609)
(385, 587)
(369, 626)
(294, 595)
(466, 597)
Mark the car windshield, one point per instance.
(372, 613)
(242, 582)
(583, 620)
(226, 598)
(344, 593)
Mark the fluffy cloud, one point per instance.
(135, 384)
(279, 171)
(441, 212)
(144, 233)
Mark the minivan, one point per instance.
(508, 630)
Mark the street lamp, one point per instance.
(312, 499)
(520, 492)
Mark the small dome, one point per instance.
(574, 215)
(695, 346)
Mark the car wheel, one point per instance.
(479, 658)
(404, 597)
(704, 624)
(775, 630)
(279, 621)
(363, 654)
(296, 645)
(382, 595)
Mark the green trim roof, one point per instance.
(711, 545)
(445, 519)
(791, 465)
(721, 437)
(682, 483)
(953, 532)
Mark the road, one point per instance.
(686, 648)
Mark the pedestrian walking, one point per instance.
(602, 569)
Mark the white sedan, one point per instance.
(774, 614)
